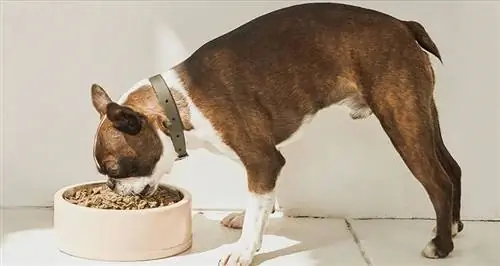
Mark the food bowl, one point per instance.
(122, 235)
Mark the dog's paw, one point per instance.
(432, 251)
(234, 220)
(456, 228)
(238, 255)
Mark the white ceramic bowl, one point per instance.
(122, 235)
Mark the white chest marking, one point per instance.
(203, 129)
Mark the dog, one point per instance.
(252, 90)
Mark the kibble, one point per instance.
(102, 197)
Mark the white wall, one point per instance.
(53, 51)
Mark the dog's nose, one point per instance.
(111, 184)
(145, 191)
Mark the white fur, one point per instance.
(356, 106)
(257, 211)
(430, 251)
(454, 229)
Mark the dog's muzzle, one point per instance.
(146, 191)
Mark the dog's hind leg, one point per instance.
(403, 108)
(453, 170)
(234, 220)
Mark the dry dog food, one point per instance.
(101, 197)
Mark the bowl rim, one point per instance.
(60, 200)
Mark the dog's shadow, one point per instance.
(284, 237)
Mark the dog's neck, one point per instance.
(142, 97)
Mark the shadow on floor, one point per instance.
(209, 234)
(326, 241)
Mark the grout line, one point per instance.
(216, 210)
(389, 218)
(420, 218)
(202, 210)
(358, 243)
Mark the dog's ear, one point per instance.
(124, 119)
(100, 99)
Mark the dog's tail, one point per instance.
(423, 38)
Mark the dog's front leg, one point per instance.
(262, 178)
(257, 213)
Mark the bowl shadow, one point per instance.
(209, 234)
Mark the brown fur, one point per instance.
(257, 83)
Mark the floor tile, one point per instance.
(28, 240)
(399, 242)
(23, 219)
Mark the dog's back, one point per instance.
(290, 63)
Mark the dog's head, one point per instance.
(131, 146)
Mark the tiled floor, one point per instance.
(27, 240)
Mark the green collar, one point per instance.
(176, 129)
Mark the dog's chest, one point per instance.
(205, 136)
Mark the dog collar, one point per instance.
(176, 128)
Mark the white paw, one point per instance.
(234, 220)
(430, 251)
(238, 255)
(454, 229)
